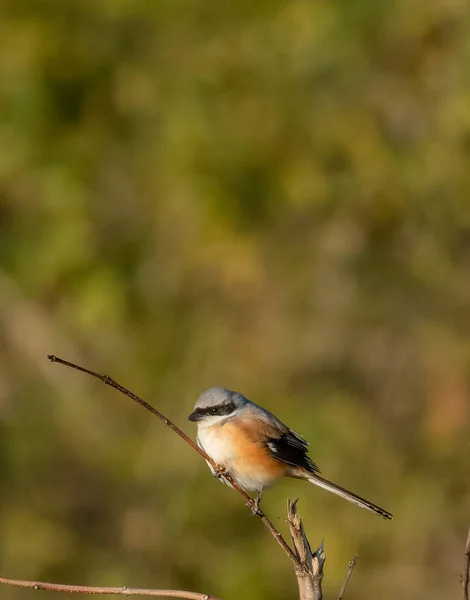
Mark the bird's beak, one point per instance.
(194, 416)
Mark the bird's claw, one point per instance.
(254, 508)
(220, 473)
(254, 504)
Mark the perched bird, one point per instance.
(256, 448)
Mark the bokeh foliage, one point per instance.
(270, 196)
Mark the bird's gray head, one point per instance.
(215, 404)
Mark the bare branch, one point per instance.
(122, 591)
(309, 566)
(466, 571)
(352, 564)
(251, 503)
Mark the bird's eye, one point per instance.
(215, 410)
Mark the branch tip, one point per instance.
(352, 564)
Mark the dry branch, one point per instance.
(309, 566)
(120, 388)
(122, 591)
(466, 571)
(250, 502)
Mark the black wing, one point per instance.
(292, 449)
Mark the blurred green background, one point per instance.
(267, 196)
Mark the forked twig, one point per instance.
(352, 564)
(309, 569)
(120, 388)
(122, 591)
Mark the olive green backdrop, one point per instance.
(269, 196)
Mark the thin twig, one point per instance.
(122, 591)
(252, 504)
(352, 564)
(466, 570)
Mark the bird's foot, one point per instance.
(254, 505)
(220, 473)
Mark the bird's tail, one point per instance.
(347, 495)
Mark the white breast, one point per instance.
(216, 445)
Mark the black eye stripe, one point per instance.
(222, 410)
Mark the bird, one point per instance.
(256, 449)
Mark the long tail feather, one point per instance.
(347, 495)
